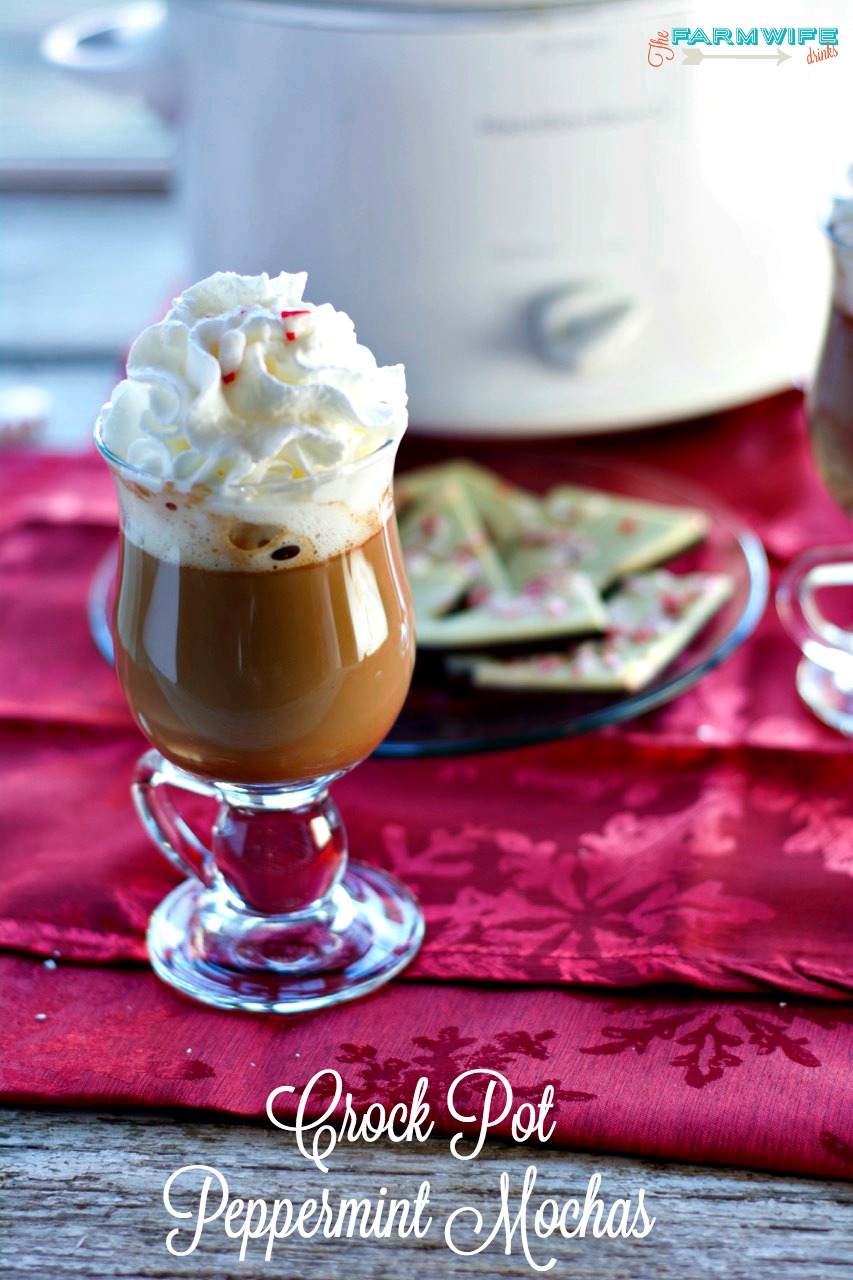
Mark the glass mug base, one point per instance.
(366, 931)
(829, 694)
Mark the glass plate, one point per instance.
(446, 716)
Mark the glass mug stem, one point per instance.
(276, 851)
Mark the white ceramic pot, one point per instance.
(553, 235)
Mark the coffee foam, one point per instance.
(242, 531)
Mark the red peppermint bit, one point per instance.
(643, 634)
(432, 524)
(671, 605)
(290, 333)
(478, 596)
(628, 525)
(536, 537)
(229, 377)
(548, 662)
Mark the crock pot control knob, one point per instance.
(582, 326)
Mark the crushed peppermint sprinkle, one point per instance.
(432, 524)
(229, 377)
(507, 606)
(585, 659)
(290, 334)
(419, 564)
(537, 537)
(470, 563)
(478, 596)
(549, 662)
(628, 525)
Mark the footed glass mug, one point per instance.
(264, 643)
(825, 673)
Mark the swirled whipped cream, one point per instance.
(245, 381)
(243, 388)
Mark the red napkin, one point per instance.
(762, 1083)
(584, 862)
(711, 844)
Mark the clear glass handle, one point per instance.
(170, 832)
(825, 643)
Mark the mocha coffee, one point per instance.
(831, 408)
(279, 668)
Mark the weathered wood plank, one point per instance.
(83, 1198)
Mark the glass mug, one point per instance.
(261, 671)
(825, 673)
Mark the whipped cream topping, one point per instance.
(246, 383)
(243, 388)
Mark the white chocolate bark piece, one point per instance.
(503, 507)
(418, 484)
(604, 535)
(651, 619)
(436, 587)
(567, 605)
(447, 550)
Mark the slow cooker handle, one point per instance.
(125, 48)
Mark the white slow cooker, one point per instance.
(553, 234)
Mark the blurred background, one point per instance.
(90, 239)
(554, 234)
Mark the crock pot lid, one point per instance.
(446, 6)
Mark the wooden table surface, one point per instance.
(82, 1195)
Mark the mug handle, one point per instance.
(825, 643)
(122, 48)
(170, 832)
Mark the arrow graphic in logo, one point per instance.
(693, 57)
